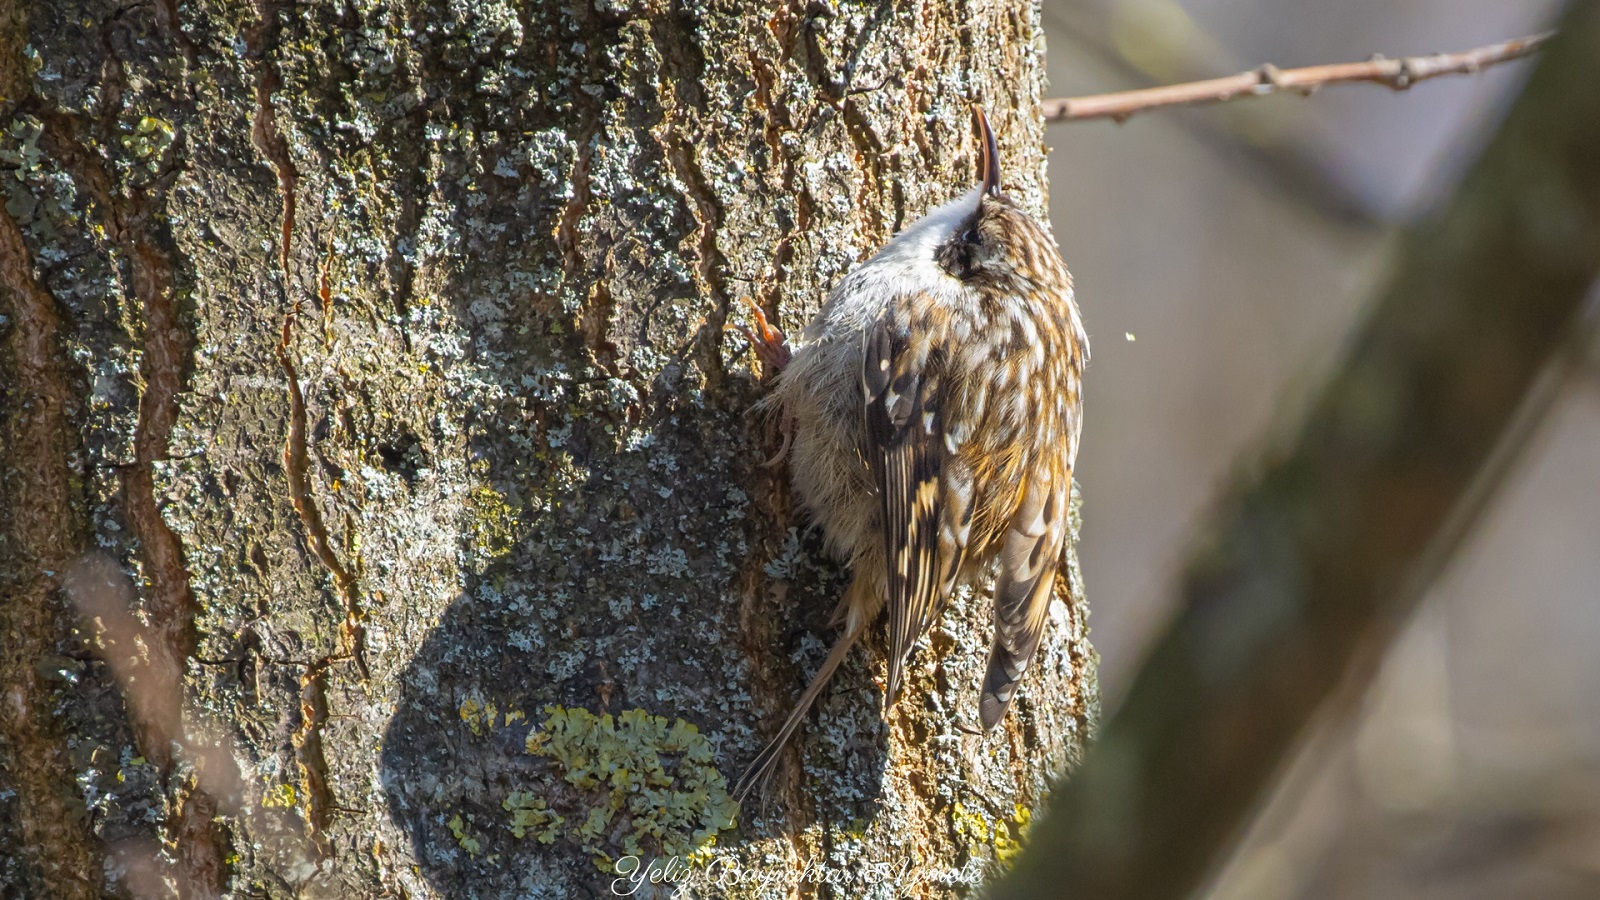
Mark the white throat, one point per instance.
(924, 236)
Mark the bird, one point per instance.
(932, 410)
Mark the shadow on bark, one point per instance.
(559, 716)
(629, 568)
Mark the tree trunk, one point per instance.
(382, 501)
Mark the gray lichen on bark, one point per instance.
(393, 370)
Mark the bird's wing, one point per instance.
(1024, 582)
(906, 451)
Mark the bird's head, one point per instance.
(991, 241)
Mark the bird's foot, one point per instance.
(769, 343)
(772, 347)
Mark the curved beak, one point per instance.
(988, 156)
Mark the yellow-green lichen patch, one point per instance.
(464, 835)
(1005, 835)
(494, 523)
(636, 774)
(479, 715)
(530, 815)
(281, 796)
(148, 139)
(1008, 841)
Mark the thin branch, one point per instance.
(1282, 147)
(1395, 74)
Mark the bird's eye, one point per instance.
(970, 236)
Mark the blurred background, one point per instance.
(1222, 254)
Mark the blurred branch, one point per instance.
(1281, 146)
(1395, 74)
(1318, 557)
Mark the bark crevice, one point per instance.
(58, 851)
(307, 737)
(131, 220)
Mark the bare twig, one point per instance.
(1395, 74)
(1281, 146)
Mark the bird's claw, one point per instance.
(785, 428)
(770, 343)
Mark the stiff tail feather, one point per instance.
(1015, 645)
(761, 769)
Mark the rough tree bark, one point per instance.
(365, 385)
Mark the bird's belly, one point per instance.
(834, 485)
(821, 392)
